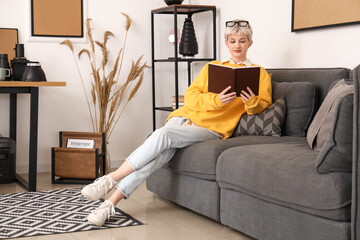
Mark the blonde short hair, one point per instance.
(236, 29)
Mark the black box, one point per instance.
(7, 160)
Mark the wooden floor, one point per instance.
(162, 219)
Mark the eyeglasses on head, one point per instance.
(241, 23)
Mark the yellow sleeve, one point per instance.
(197, 97)
(259, 103)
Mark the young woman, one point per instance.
(204, 116)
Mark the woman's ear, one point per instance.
(226, 42)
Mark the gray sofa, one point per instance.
(271, 187)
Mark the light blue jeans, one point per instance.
(159, 148)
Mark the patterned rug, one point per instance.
(52, 212)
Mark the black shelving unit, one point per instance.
(176, 10)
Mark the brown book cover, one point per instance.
(239, 78)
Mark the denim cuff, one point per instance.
(126, 196)
(131, 164)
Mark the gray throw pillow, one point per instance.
(320, 126)
(267, 123)
(336, 154)
(300, 104)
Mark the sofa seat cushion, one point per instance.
(199, 160)
(284, 174)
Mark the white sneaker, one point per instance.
(98, 189)
(101, 214)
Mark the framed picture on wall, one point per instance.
(57, 18)
(310, 14)
(8, 39)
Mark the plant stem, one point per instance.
(113, 125)
(110, 119)
(86, 96)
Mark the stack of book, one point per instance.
(181, 101)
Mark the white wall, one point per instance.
(65, 108)
(276, 46)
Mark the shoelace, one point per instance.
(110, 210)
(104, 184)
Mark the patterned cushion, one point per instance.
(267, 123)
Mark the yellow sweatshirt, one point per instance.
(206, 110)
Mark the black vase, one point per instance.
(33, 73)
(19, 63)
(171, 2)
(188, 45)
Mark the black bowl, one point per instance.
(171, 2)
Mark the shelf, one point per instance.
(185, 60)
(31, 84)
(183, 9)
(177, 58)
(168, 109)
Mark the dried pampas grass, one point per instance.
(128, 21)
(69, 44)
(109, 97)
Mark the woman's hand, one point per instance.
(227, 97)
(245, 96)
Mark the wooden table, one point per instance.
(13, 88)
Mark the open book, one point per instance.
(239, 78)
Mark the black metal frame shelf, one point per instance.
(168, 109)
(183, 9)
(176, 10)
(184, 60)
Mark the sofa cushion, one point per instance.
(321, 77)
(199, 160)
(284, 174)
(267, 123)
(320, 126)
(300, 102)
(336, 154)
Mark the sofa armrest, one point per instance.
(355, 211)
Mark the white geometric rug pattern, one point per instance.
(52, 212)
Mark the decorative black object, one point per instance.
(171, 2)
(7, 160)
(4, 63)
(19, 63)
(188, 45)
(34, 73)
